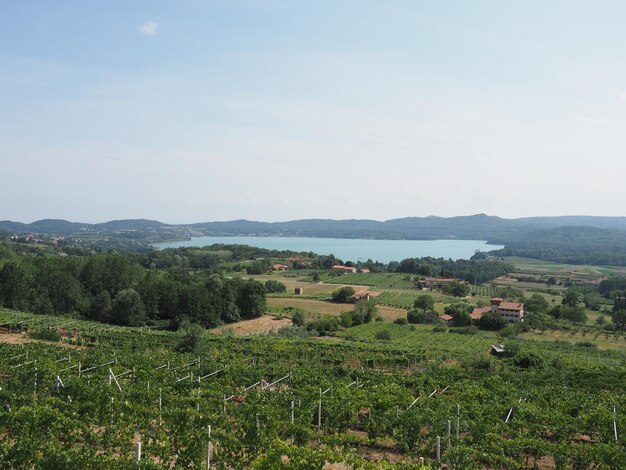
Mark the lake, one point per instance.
(352, 249)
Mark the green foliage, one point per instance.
(568, 391)
(425, 302)
(259, 266)
(190, 342)
(275, 287)
(47, 334)
(128, 308)
(383, 335)
(298, 318)
(364, 312)
(324, 326)
(492, 321)
(528, 360)
(457, 289)
(342, 294)
(537, 303)
(460, 313)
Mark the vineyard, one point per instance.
(128, 401)
(380, 280)
(484, 291)
(406, 299)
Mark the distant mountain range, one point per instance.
(567, 239)
(480, 226)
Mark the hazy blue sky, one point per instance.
(190, 111)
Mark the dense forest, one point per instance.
(474, 271)
(575, 245)
(116, 288)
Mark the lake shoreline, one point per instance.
(353, 249)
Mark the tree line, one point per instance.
(117, 288)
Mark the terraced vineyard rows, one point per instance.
(351, 402)
(486, 291)
(380, 280)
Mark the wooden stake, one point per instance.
(208, 448)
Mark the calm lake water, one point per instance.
(352, 249)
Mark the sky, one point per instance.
(200, 110)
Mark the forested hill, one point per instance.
(478, 226)
(570, 239)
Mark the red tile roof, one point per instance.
(511, 306)
(478, 312)
(446, 317)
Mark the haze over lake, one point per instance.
(352, 249)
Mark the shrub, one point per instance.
(190, 342)
(342, 294)
(586, 344)
(384, 335)
(528, 360)
(364, 312)
(324, 326)
(298, 318)
(440, 329)
(510, 331)
(46, 334)
(401, 321)
(275, 287)
(294, 332)
(466, 330)
(483, 363)
(416, 316)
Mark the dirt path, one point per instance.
(19, 338)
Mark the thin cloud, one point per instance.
(149, 28)
(621, 95)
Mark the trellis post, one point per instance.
(208, 447)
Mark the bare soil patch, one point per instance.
(260, 325)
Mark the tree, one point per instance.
(298, 318)
(460, 313)
(619, 319)
(101, 308)
(457, 289)
(128, 308)
(424, 302)
(250, 298)
(570, 299)
(342, 294)
(14, 286)
(619, 310)
(364, 312)
(537, 303)
(275, 287)
(416, 316)
(190, 342)
(492, 321)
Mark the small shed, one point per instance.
(497, 349)
(298, 290)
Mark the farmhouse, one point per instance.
(344, 269)
(295, 261)
(447, 318)
(512, 311)
(279, 267)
